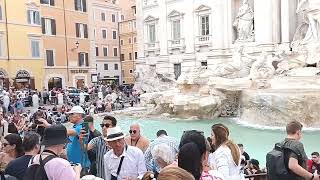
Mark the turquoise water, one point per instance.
(257, 142)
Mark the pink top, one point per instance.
(59, 169)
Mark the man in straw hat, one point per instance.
(122, 161)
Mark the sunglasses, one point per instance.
(132, 131)
(105, 125)
(5, 144)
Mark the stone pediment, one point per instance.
(150, 19)
(175, 13)
(202, 8)
(32, 4)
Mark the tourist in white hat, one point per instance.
(75, 153)
(122, 161)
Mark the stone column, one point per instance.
(267, 21)
(288, 20)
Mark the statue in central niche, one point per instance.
(244, 23)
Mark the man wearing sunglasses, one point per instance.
(100, 146)
(136, 139)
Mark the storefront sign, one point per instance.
(94, 78)
(22, 74)
(76, 71)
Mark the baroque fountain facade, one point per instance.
(265, 84)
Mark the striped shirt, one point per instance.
(100, 148)
(170, 141)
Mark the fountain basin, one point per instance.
(277, 107)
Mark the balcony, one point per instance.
(152, 47)
(178, 44)
(201, 41)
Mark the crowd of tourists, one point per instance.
(37, 144)
(102, 98)
(40, 146)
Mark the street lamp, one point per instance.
(77, 46)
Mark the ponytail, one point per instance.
(235, 151)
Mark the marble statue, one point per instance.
(262, 70)
(310, 9)
(244, 23)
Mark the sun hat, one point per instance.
(77, 110)
(55, 135)
(114, 133)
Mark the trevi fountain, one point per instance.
(265, 85)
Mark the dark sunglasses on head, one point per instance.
(105, 125)
(196, 131)
(132, 131)
(5, 144)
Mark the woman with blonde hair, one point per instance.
(170, 173)
(226, 157)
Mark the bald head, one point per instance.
(134, 131)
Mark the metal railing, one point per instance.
(261, 176)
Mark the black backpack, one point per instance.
(36, 171)
(277, 163)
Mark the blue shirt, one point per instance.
(75, 153)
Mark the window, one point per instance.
(204, 25)
(94, 33)
(48, 26)
(135, 55)
(134, 9)
(152, 33)
(1, 46)
(177, 70)
(176, 29)
(106, 67)
(105, 51)
(104, 33)
(130, 26)
(33, 17)
(50, 57)
(113, 18)
(115, 52)
(116, 67)
(121, 42)
(81, 30)
(97, 51)
(130, 41)
(35, 48)
(83, 59)
(131, 71)
(0, 12)
(122, 17)
(114, 34)
(49, 2)
(130, 56)
(103, 16)
(134, 24)
(80, 5)
(122, 57)
(135, 39)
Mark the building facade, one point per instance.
(21, 58)
(128, 40)
(65, 29)
(104, 40)
(177, 35)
